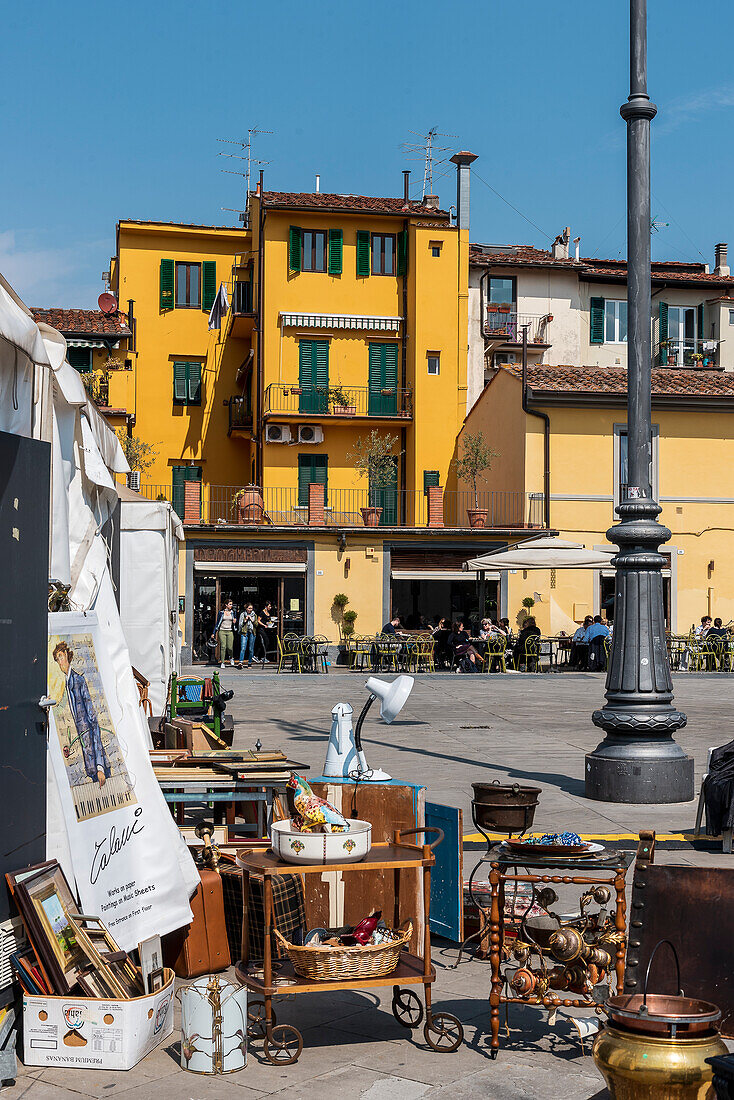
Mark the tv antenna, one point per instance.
(656, 226)
(427, 151)
(251, 161)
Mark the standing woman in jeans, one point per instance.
(263, 630)
(225, 629)
(247, 624)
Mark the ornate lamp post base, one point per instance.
(638, 761)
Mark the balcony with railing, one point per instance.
(240, 413)
(696, 354)
(242, 301)
(337, 402)
(503, 325)
(289, 507)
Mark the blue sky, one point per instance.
(114, 111)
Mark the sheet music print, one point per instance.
(95, 767)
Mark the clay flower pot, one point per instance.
(250, 505)
(371, 516)
(477, 517)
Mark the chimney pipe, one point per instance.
(722, 266)
(560, 244)
(577, 242)
(318, 184)
(406, 185)
(462, 161)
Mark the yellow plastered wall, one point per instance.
(361, 582)
(181, 432)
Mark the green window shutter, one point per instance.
(700, 334)
(363, 253)
(311, 469)
(430, 480)
(320, 353)
(663, 332)
(382, 396)
(390, 374)
(180, 389)
(402, 267)
(376, 359)
(179, 476)
(166, 284)
(208, 284)
(596, 324)
(194, 383)
(335, 251)
(294, 249)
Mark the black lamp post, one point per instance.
(638, 760)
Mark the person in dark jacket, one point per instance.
(460, 644)
(392, 627)
(519, 650)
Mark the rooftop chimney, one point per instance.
(722, 267)
(462, 161)
(431, 201)
(318, 184)
(406, 185)
(560, 244)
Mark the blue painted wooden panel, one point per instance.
(447, 877)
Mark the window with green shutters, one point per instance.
(312, 469)
(663, 332)
(403, 252)
(167, 277)
(80, 358)
(336, 240)
(313, 376)
(363, 253)
(294, 248)
(596, 321)
(186, 383)
(430, 480)
(208, 284)
(383, 380)
(180, 475)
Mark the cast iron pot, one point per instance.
(506, 809)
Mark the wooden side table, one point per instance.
(608, 868)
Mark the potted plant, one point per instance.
(248, 504)
(527, 604)
(348, 623)
(476, 457)
(374, 458)
(340, 600)
(341, 402)
(140, 455)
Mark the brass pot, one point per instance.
(640, 1066)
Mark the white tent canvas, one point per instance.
(150, 533)
(543, 553)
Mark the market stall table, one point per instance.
(283, 1043)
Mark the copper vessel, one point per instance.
(656, 1046)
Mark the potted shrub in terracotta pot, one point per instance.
(476, 456)
(248, 504)
(341, 402)
(374, 458)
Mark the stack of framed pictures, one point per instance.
(74, 952)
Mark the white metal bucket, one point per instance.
(213, 1026)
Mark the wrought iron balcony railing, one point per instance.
(687, 353)
(288, 399)
(503, 323)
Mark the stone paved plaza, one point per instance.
(453, 730)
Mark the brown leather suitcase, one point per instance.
(202, 948)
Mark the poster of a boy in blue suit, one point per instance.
(96, 764)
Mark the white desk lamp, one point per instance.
(345, 757)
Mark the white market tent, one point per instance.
(150, 533)
(542, 553)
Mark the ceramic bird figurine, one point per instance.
(312, 813)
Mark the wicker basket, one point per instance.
(323, 963)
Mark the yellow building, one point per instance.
(692, 478)
(346, 323)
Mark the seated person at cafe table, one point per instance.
(597, 634)
(460, 644)
(393, 626)
(529, 630)
(580, 645)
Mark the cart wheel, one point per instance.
(256, 1019)
(406, 1007)
(284, 1045)
(443, 1032)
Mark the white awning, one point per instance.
(249, 568)
(340, 320)
(86, 343)
(544, 553)
(441, 575)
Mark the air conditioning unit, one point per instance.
(310, 433)
(133, 480)
(277, 433)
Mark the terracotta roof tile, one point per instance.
(525, 255)
(666, 381)
(82, 322)
(358, 204)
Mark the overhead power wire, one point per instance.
(508, 203)
(693, 245)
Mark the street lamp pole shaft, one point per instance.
(638, 760)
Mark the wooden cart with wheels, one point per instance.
(283, 1043)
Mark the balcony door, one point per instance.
(681, 334)
(383, 380)
(313, 376)
(502, 307)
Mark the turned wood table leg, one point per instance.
(495, 950)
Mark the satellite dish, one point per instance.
(107, 303)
